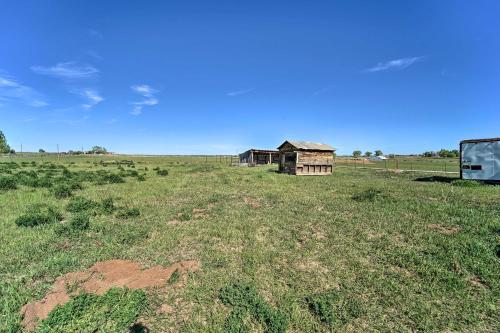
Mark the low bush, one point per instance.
(80, 204)
(7, 183)
(245, 301)
(79, 222)
(62, 191)
(115, 311)
(37, 215)
(107, 206)
(162, 172)
(111, 178)
(141, 178)
(126, 213)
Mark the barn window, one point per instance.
(476, 167)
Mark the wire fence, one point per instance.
(431, 165)
(417, 164)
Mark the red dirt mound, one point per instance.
(98, 279)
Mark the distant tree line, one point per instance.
(358, 153)
(442, 153)
(5, 149)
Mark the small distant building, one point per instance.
(305, 158)
(378, 158)
(259, 156)
(480, 159)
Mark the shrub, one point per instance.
(465, 183)
(334, 307)
(37, 215)
(246, 301)
(128, 213)
(161, 172)
(112, 178)
(107, 206)
(80, 204)
(62, 191)
(79, 222)
(7, 183)
(115, 311)
(141, 178)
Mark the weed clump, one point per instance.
(76, 225)
(37, 215)
(115, 311)
(369, 195)
(245, 301)
(465, 183)
(62, 191)
(128, 213)
(7, 183)
(80, 204)
(107, 206)
(333, 307)
(162, 172)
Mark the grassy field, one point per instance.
(361, 250)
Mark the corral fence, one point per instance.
(65, 157)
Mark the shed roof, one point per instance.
(306, 145)
(480, 140)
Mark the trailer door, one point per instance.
(478, 160)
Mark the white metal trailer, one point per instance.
(480, 159)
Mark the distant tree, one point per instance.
(41, 151)
(455, 152)
(4, 147)
(368, 153)
(12, 151)
(356, 153)
(448, 153)
(392, 156)
(429, 154)
(378, 153)
(99, 150)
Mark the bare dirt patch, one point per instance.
(444, 230)
(254, 203)
(100, 278)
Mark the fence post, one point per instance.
(445, 167)
(397, 164)
(385, 162)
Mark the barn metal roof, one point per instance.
(306, 145)
(480, 140)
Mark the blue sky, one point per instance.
(214, 77)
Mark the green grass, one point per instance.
(416, 253)
(115, 311)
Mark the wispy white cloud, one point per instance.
(395, 64)
(67, 70)
(95, 33)
(11, 89)
(148, 93)
(322, 90)
(240, 92)
(92, 96)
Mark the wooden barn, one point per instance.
(305, 158)
(259, 156)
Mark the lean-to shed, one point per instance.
(480, 159)
(259, 156)
(306, 158)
